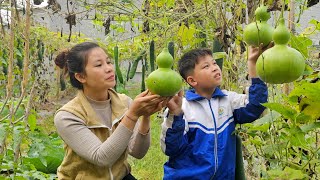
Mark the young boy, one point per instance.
(197, 130)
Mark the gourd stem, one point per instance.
(165, 37)
(282, 8)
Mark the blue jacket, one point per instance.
(199, 143)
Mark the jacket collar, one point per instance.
(191, 95)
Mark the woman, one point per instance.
(99, 126)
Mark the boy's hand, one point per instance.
(175, 104)
(254, 53)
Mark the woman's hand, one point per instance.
(175, 104)
(146, 104)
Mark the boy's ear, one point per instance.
(80, 77)
(191, 81)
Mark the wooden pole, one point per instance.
(26, 50)
(291, 27)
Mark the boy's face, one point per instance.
(206, 75)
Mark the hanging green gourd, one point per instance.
(129, 68)
(19, 53)
(117, 67)
(281, 63)
(152, 55)
(4, 62)
(164, 81)
(259, 31)
(135, 64)
(171, 48)
(143, 84)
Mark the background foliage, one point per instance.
(283, 144)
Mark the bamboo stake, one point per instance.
(10, 75)
(26, 50)
(24, 79)
(2, 31)
(291, 27)
(11, 53)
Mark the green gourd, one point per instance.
(20, 54)
(135, 64)
(239, 171)
(63, 85)
(129, 67)
(259, 31)
(217, 47)
(152, 55)
(164, 81)
(281, 63)
(116, 61)
(143, 84)
(4, 62)
(171, 48)
(40, 50)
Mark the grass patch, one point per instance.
(151, 166)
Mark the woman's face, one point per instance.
(99, 71)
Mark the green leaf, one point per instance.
(310, 127)
(317, 168)
(257, 141)
(309, 90)
(185, 34)
(301, 43)
(303, 118)
(307, 70)
(43, 160)
(20, 112)
(32, 122)
(315, 23)
(285, 111)
(309, 98)
(19, 178)
(46, 153)
(269, 149)
(287, 173)
(268, 118)
(310, 107)
(219, 55)
(181, 34)
(296, 136)
(190, 33)
(262, 128)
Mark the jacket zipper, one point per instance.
(216, 140)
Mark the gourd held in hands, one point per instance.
(281, 63)
(164, 81)
(259, 32)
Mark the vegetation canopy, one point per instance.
(282, 144)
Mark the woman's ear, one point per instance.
(80, 77)
(191, 81)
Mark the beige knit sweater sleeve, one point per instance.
(79, 138)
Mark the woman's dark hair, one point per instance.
(75, 60)
(187, 62)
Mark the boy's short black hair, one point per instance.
(188, 60)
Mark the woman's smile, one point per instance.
(111, 78)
